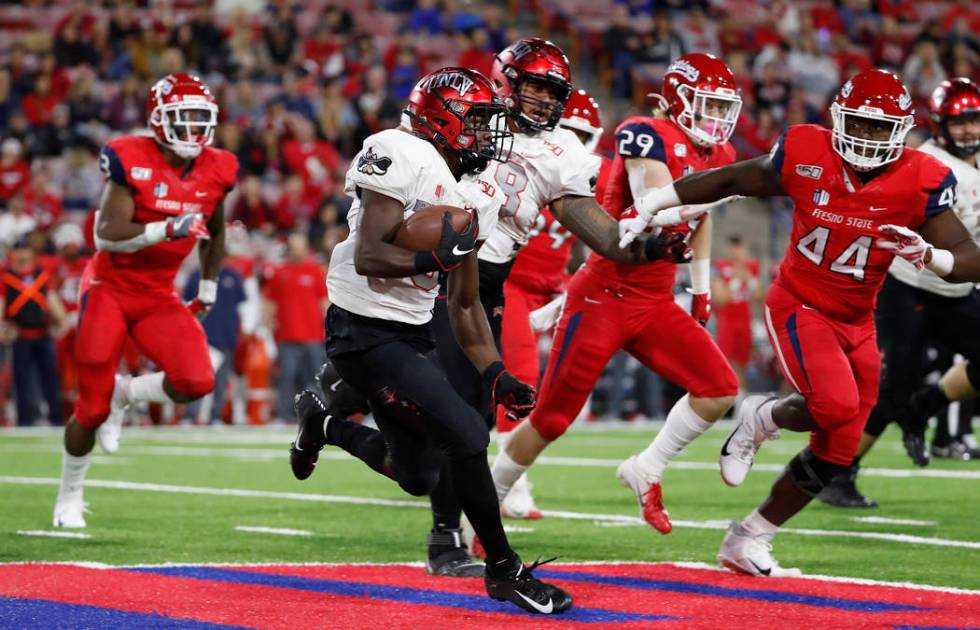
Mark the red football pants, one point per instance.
(836, 366)
(600, 318)
(735, 338)
(518, 341)
(162, 327)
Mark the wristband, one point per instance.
(657, 199)
(207, 291)
(700, 270)
(941, 262)
(493, 371)
(155, 232)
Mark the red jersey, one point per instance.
(831, 263)
(70, 281)
(541, 264)
(662, 140)
(738, 309)
(298, 290)
(160, 191)
(13, 178)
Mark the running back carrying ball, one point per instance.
(422, 231)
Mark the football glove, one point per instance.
(701, 307)
(207, 294)
(518, 398)
(905, 243)
(452, 249)
(669, 246)
(187, 225)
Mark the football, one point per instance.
(421, 231)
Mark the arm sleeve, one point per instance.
(640, 140)
(941, 197)
(385, 166)
(112, 167)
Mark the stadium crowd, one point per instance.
(301, 84)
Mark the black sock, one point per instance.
(476, 492)
(928, 401)
(446, 510)
(364, 443)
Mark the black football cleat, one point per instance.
(341, 399)
(312, 418)
(842, 491)
(448, 556)
(954, 450)
(915, 445)
(518, 586)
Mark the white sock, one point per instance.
(756, 524)
(147, 388)
(505, 473)
(765, 414)
(73, 471)
(682, 427)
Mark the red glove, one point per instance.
(701, 307)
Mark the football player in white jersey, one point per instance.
(917, 307)
(378, 334)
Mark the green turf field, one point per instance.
(194, 520)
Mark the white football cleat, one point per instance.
(111, 429)
(649, 494)
(752, 555)
(70, 513)
(519, 503)
(738, 451)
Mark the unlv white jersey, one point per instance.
(542, 167)
(400, 165)
(967, 208)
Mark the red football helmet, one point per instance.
(459, 110)
(701, 96)
(956, 100)
(533, 59)
(182, 113)
(872, 103)
(582, 116)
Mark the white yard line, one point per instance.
(517, 529)
(891, 521)
(279, 531)
(269, 454)
(52, 534)
(330, 498)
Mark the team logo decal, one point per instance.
(520, 49)
(688, 169)
(685, 69)
(680, 149)
(821, 197)
(370, 163)
(139, 173)
(592, 183)
(808, 170)
(160, 190)
(905, 100)
(455, 80)
(847, 89)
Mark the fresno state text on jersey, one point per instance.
(160, 191)
(831, 263)
(664, 141)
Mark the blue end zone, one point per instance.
(22, 613)
(693, 588)
(477, 603)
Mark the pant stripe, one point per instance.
(573, 323)
(774, 338)
(794, 339)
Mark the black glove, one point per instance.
(452, 248)
(519, 398)
(669, 246)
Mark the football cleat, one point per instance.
(519, 503)
(915, 446)
(312, 419)
(110, 430)
(738, 451)
(842, 491)
(341, 399)
(954, 450)
(648, 492)
(448, 556)
(518, 585)
(70, 513)
(752, 555)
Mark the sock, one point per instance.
(147, 388)
(364, 443)
(474, 488)
(505, 473)
(765, 414)
(928, 401)
(446, 510)
(756, 524)
(682, 427)
(73, 470)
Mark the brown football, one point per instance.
(421, 231)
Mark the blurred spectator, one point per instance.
(83, 105)
(293, 206)
(54, 137)
(701, 33)
(251, 208)
(209, 39)
(127, 110)
(922, 71)
(296, 301)
(811, 69)
(8, 104)
(475, 55)
(40, 202)
(297, 88)
(221, 326)
(30, 305)
(325, 49)
(663, 45)
(69, 242)
(735, 292)
(15, 223)
(375, 108)
(772, 90)
(315, 160)
(889, 45)
(280, 37)
(426, 17)
(38, 104)
(329, 226)
(15, 173)
(82, 182)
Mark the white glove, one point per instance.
(683, 214)
(631, 227)
(647, 205)
(905, 243)
(544, 319)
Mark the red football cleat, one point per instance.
(649, 495)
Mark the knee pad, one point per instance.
(810, 473)
(973, 374)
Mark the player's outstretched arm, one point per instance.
(954, 255)
(115, 230)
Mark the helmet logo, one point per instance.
(905, 100)
(684, 68)
(520, 49)
(456, 80)
(847, 89)
(165, 87)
